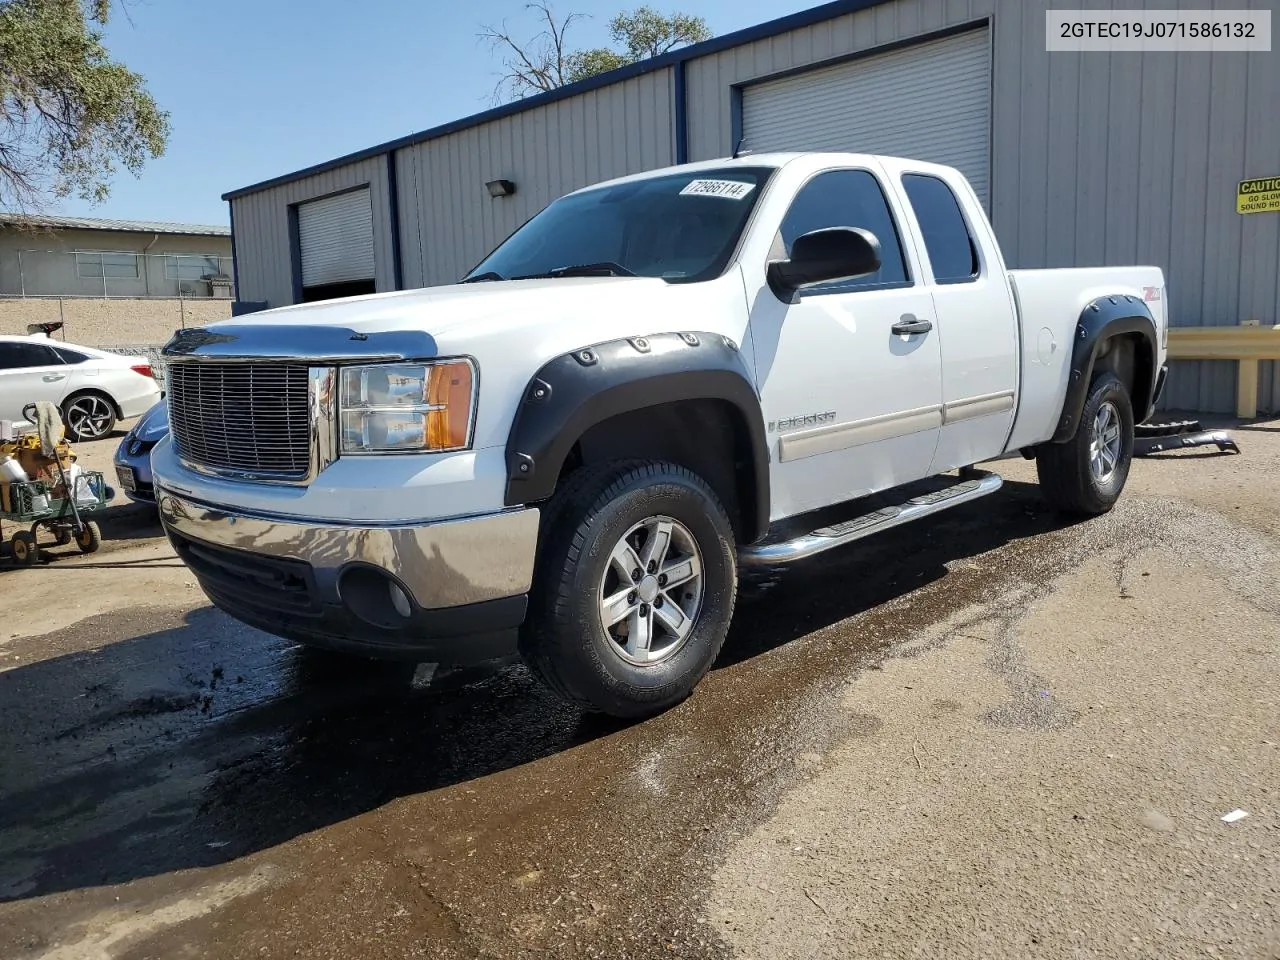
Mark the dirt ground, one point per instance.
(991, 734)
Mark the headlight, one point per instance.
(407, 407)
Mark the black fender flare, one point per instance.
(1103, 318)
(575, 391)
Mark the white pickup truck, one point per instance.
(653, 384)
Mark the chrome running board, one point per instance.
(971, 486)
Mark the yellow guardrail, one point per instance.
(1246, 344)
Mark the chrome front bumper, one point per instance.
(443, 564)
(301, 578)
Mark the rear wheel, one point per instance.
(88, 416)
(1086, 474)
(635, 588)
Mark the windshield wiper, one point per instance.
(483, 277)
(605, 268)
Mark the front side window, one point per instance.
(681, 228)
(18, 356)
(847, 198)
(951, 249)
(109, 266)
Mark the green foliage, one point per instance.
(644, 32)
(587, 63)
(69, 114)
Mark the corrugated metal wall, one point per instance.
(1122, 158)
(1096, 158)
(449, 222)
(263, 255)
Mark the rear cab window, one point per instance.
(847, 198)
(947, 238)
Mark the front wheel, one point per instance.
(89, 539)
(636, 582)
(24, 548)
(1086, 474)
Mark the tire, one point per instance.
(1086, 474)
(668, 634)
(88, 416)
(89, 539)
(25, 550)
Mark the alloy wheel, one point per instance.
(651, 591)
(1105, 442)
(89, 417)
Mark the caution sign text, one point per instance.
(1261, 195)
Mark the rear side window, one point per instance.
(848, 198)
(16, 356)
(951, 249)
(70, 356)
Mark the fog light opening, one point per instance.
(400, 600)
(375, 597)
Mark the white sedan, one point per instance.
(93, 388)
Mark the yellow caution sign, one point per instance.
(1260, 195)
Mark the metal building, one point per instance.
(1082, 159)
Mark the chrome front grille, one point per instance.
(244, 418)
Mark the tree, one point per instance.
(69, 114)
(546, 62)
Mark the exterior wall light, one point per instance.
(500, 188)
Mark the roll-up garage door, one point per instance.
(336, 239)
(929, 101)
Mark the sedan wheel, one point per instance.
(89, 417)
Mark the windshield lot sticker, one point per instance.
(731, 189)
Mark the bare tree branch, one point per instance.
(546, 61)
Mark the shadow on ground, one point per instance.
(200, 740)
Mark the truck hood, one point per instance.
(461, 313)
(511, 328)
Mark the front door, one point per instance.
(29, 371)
(851, 404)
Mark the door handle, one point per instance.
(909, 323)
(53, 377)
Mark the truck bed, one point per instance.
(1049, 303)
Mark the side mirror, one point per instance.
(833, 253)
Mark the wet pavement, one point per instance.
(174, 784)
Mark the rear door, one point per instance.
(976, 322)
(29, 372)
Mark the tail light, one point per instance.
(143, 369)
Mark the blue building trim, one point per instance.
(763, 31)
(393, 200)
(235, 264)
(681, 94)
(295, 254)
(735, 118)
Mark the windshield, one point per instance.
(682, 228)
